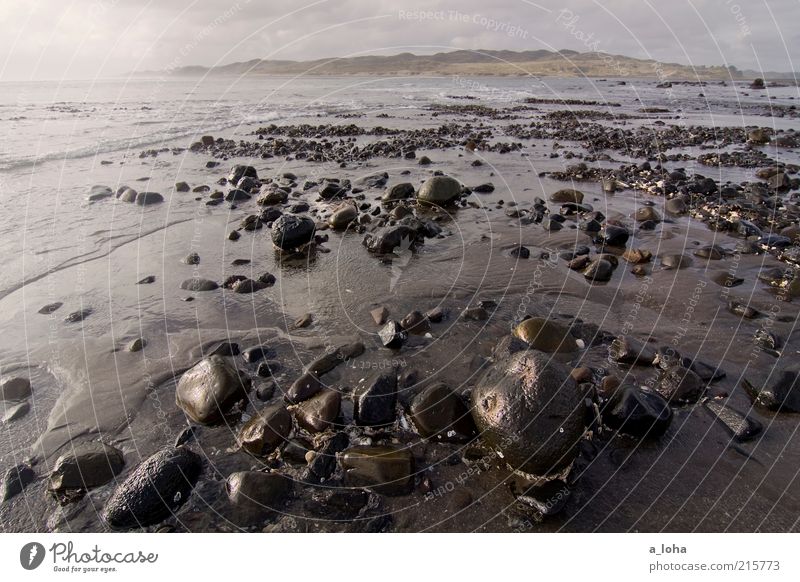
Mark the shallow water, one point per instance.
(59, 247)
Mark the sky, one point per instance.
(87, 39)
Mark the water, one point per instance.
(61, 139)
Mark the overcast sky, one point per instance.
(55, 39)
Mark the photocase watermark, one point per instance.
(492, 24)
(66, 558)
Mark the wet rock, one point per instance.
(323, 461)
(148, 198)
(137, 345)
(742, 427)
(246, 286)
(399, 238)
(15, 389)
(375, 400)
(77, 316)
(182, 187)
(676, 261)
(637, 256)
(339, 355)
(486, 188)
(253, 355)
(399, 192)
(304, 388)
(268, 429)
(147, 280)
(99, 193)
(154, 490)
(198, 284)
(83, 467)
(598, 271)
(15, 480)
(546, 336)
(392, 335)
(191, 259)
(647, 213)
(614, 236)
(520, 252)
(415, 323)
(208, 390)
(303, 321)
(268, 369)
(127, 195)
(766, 340)
(50, 308)
(291, 232)
(567, 195)
(475, 314)
(439, 190)
(710, 252)
(742, 310)
(725, 279)
(343, 217)
(530, 409)
(15, 412)
(637, 412)
(778, 391)
(238, 172)
(379, 315)
(318, 413)
(676, 206)
(387, 470)
(439, 413)
(547, 499)
(680, 385)
(627, 350)
(257, 493)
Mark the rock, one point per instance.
(711, 252)
(439, 413)
(375, 400)
(725, 279)
(15, 412)
(379, 315)
(268, 369)
(318, 413)
(742, 310)
(148, 198)
(425, 161)
(486, 188)
(676, 261)
(237, 195)
(567, 195)
(191, 259)
(304, 388)
(253, 355)
(266, 430)
(329, 360)
(99, 193)
(208, 391)
(331, 189)
(392, 335)
(599, 271)
(439, 190)
(546, 336)
(520, 252)
(415, 323)
(323, 461)
(154, 490)
(677, 384)
(77, 316)
(15, 389)
(676, 206)
(759, 136)
(147, 280)
(246, 286)
(343, 217)
(137, 345)
(637, 413)
(182, 187)
(547, 499)
(647, 213)
(50, 308)
(627, 350)
(475, 314)
(15, 480)
(637, 256)
(290, 232)
(530, 409)
(256, 492)
(303, 321)
(238, 172)
(391, 239)
(782, 394)
(387, 470)
(399, 192)
(742, 427)
(613, 236)
(127, 195)
(198, 284)
(85, 466)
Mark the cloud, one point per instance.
(98, 38)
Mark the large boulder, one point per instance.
(208, 391)
(290, 231)
(439, 190)
(154, 490)
(530, 409)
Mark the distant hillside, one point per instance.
(562, 63)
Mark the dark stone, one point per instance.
(304, 388)
(387, 239)
(266, 430)
(375, 400)
(399, 192)
(636, 412)
(15, 389)
(679, 385)
(238, 172)
(387, 470)
(197, 284)
(627, 350)
(439, 413)
(51, 307)
(742, 427)
(207, 391)
(415, 323)
(77, 316)
(257, 493)
(253, 355)
(547, 499)
(392, 335)
(290, 231)
(15, 480)
(318, 412)
(154, 490)
(84, 467)
(783, 393)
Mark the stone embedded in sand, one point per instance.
(304, 388)
(546, 335)
(388, 470)
(127, 195)
(530, 409)
(399, 192)
(676, 206)
(85, 466)
(415, 323)
(290, 232)
(208, 390)
(257, 492)
(397, 239)
(99, 193)
(599, 271)
(439, 413)
(343, 216)
(647, 213)
(182, 187)
(567, 195)
(198, 284)
(637, 412)
(627, 350)
(778, 391)
(439, 190)
(613, 235)
(154, 490)
(680, 385)
(15, 389)
(379, 315)
(148, 198)
(318, 413)
(266, 430)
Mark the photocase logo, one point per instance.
(403, 253)
(31, 555)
